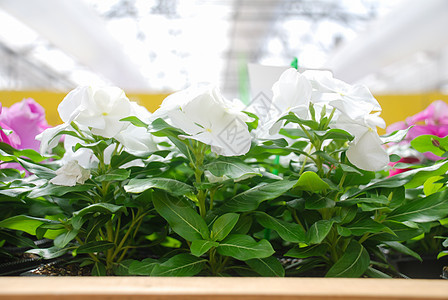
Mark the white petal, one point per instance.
(368, 153)
(71, 106)
(136, 140)
(70, 174)
(291, 90)
(48, 139)
(63, 179)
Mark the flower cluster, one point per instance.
(352, 108)
(431, 121)
(90, 112)
(206, 186)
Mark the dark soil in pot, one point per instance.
(429, 268)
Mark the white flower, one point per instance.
(366, 150)
(354, 101)
(291, 93)
(368, 153)
(99, 108)
(83, 156)
(47, 137)
(137, 140)
(291, 90)
(207, 117)
(70, 174)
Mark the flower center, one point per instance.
(208, 129)
(104, 113)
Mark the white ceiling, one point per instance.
(166, 45)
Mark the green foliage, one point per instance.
(186, 211)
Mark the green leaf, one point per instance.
(249, 200)
(93, 227)
(24, 223)
(243, 225)
(231, 168)
(58, 190)
(419, 176)
(180, 265)
(292, 118)
(199, 247)
(318, 231)
(28, 153)
(334, 134)
(409, 179)
(63, 239)
(293, 133)
(122, 268)
(121, 159)
(311, 182)
(160, 127)
(135, 121)
(426, 143)
(244, 247)
(172, 186)
(442, 254)
(431, 186)
(48, 253)
(367, 225)
(114, 175)
(267, 267)
(395, 137)
(143, 268)
(353, 263)
(289, 232)
(223, 226)
(403, 249)
(402, 231)
(104, 208)
(99, 269)
(374, 273)
(15, 239)
(379, 200)
(318, 202)
(183, 219)
(96, 246)
(309, 251)
(430, 208)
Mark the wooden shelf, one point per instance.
(219, 288)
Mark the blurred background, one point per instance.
(150, 48)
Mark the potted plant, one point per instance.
(207, 187)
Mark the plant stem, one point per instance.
(296, 218)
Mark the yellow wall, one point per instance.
(399, 107)
(395, 107)
(51, 100)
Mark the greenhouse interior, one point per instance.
(239, 148)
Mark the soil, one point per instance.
(59, 270)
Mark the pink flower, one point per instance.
(397, 126)
(433, 121)
(407, 160)
(7, 135)
(26, 119)
(436, 113)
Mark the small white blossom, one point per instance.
(207, 117)
(70, 174)
(99, 108)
